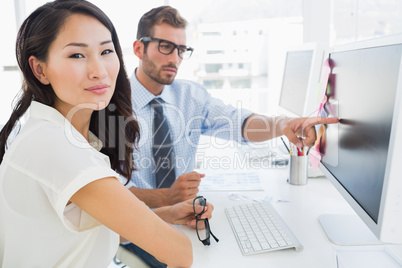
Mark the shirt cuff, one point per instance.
(244, 115)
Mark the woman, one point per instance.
(62, 203)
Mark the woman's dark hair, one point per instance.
(34, 38)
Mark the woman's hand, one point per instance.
(183, 213)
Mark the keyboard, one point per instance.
(259, 228)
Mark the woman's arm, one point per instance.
(109, 202)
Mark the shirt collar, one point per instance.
(41, 111)
(44, 112)
(142, 96)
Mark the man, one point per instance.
(189, 111)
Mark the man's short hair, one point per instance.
(159, 15)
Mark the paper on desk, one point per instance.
(367, 257)
(236, 181)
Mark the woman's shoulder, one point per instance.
(44, 143)
(42, 136)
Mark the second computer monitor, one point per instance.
(300, 79)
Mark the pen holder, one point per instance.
(298, 170)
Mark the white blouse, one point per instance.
(46, 164)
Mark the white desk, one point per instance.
(301, 213)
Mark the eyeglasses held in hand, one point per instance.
(166, 47)
(202, 225)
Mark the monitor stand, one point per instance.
(347, 230)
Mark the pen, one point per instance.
(287, 148)
(299, 152)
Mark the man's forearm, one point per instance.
(153, 198)
(259, 128)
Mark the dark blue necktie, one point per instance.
(162, 147)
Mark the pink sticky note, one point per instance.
(322, 103)
(325, 73)
(315, 158)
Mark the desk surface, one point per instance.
(305, 204)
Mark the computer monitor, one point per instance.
(300, 78)
(362, 154)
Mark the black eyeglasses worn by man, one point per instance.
(166, 47)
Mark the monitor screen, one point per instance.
(365, 89)
(295, 80)
(356, 152)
